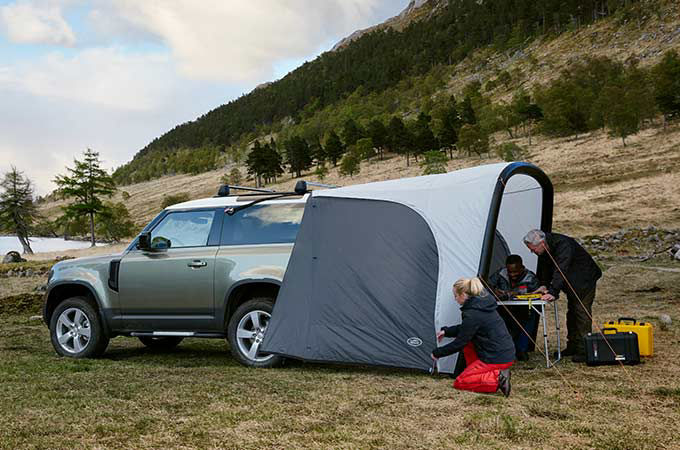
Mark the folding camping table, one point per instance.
(539, 307)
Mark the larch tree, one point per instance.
(87, 183)
(18, 212)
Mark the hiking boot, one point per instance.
(504, 382)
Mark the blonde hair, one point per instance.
(472, 287)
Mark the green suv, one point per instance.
(207, 268)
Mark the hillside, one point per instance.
(601, 185)
(385, 62)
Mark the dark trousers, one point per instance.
(579, 322)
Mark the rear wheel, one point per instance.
(246, 332)
(161, 343)
(76, 331)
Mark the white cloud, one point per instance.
(108, 77)
(27, 22)
(237, 41)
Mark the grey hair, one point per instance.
(534, 237)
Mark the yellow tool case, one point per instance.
(644, 331)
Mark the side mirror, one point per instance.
(144, 241)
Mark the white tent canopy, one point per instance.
(465, 210)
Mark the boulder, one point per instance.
(665, 321)
(12, 257)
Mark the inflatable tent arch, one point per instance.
(369, 280)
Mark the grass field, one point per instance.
(198, 396)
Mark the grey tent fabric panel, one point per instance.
(360, 286)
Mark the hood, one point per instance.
(485, 303)
(86, 261)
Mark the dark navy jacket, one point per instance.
(484, 327)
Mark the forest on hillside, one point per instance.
(375, 64)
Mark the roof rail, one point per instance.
(302, 187)
(225, 190)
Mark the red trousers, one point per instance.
(478, 376)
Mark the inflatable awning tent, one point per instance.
(369, 280)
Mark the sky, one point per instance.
(112, 75)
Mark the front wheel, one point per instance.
(246, 332)
(76, 331)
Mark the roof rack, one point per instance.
(225, 190)
(301, 188)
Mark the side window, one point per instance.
(263, 224)
(183, 229)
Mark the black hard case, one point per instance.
(599, 352)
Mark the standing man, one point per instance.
(581, 274)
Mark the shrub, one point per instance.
(173, 199)
(433, 162)
(509, 151)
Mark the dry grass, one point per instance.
(197, 396)
(15, 285)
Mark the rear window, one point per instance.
(263, 224)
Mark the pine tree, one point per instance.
(629, 101)
(272, 164)
(424, 139)
(334, 148)
(666, 78)
(257, 162)
(87, 183)
(350, 164)
(298, 154)
(450, 124)
(318, 152)
(473, 140)
(400, 138)
(467, 112)
(378, 134)
(352, 132)
(18, 212)
(365, 148)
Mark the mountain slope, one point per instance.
(375, 62)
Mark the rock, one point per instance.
(29, 272)
(595, 241)
(12, 257)
(42, 288)
(35, 318)
(665, 321)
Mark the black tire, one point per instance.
(263, 306)
(89, 347)
(164, 343)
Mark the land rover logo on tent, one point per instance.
(414, 342)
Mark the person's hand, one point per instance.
(440, 335)
(434, 358)
(548, 297)
(542, 290)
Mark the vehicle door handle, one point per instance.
(196, 264)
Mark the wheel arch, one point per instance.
(244, 290)
(61, 291)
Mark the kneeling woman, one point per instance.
(484, 339)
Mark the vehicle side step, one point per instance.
(177, 334)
